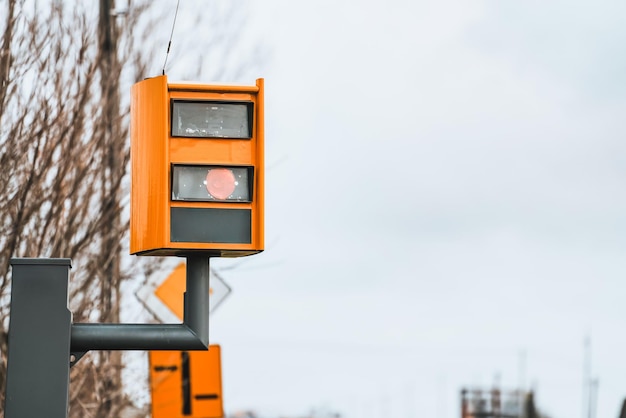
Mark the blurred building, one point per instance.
(495, 403)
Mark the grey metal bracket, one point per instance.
(44, 343)
(75, 357)
(192, 334)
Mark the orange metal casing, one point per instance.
(154, 150)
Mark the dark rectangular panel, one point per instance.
(211, 225)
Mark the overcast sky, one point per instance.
(445, 207)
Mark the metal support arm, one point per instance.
(86, 337)
(192, 334)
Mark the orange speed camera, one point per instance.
(197, 169)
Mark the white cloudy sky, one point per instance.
(445, 205)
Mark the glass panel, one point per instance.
(211, 119)
(211, 183)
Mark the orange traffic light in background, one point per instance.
(197, 169)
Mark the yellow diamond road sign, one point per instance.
(165, 301)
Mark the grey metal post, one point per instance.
(37, 383)
(196, 311)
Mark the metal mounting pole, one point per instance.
(38, 374)
(43, 342)
(196, 312)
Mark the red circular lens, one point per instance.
(220, 183)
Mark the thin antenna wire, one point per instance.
(169, 44)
